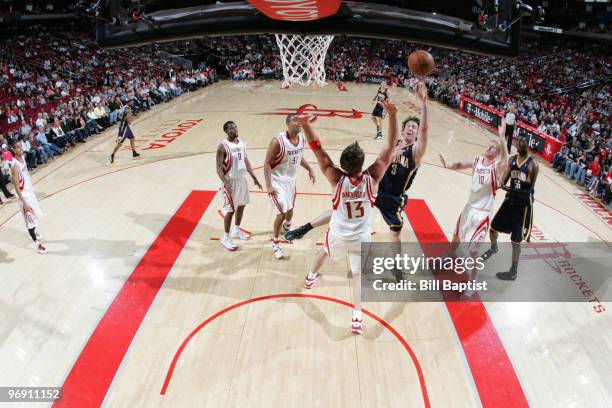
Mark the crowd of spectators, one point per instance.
(61, 80)
(57, 89)
(563, 90)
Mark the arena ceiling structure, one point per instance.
(489, 27)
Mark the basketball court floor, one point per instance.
(138, 305)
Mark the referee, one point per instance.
(510, 121)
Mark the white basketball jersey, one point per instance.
(352, 207)
(25, 182)
(484, 184)
(234, 164)
(285, 165)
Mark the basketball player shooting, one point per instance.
(283, 158)
(25, 191)
(515, 216)
(378, 113)
(352, 203)
(125, 132)
(232, 166)
(398, 178)
(474, 221)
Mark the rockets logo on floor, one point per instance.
(316, 112)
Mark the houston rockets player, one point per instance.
(25, 191)
(232, 166)
(353, 199)
(284, 156)
(475, 219)
(392, 197)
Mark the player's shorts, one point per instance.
(378, 111)
(338, 248)
(391, 208)
(515, 220)
(284, 200)
(31, 218)
(472, 226)
(125, 134)
(239, 195)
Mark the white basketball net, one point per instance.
(303, 58)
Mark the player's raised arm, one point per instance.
(378, 168)
(329, 170)
(506, 175)
(455, 165)
(420, 145)
(502, 164)
(271, 154)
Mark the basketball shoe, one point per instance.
(311, 279)
(297, 233)
(238, 233)
(41, 249)
(278, 252)
(227, 242)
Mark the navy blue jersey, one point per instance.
(398, 177)
(381, 95)
(522, 190)
(123, 125)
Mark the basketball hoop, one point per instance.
(303, 58)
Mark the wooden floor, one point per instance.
(105, 226)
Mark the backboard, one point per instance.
(480, 26)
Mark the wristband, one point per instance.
(315, 145)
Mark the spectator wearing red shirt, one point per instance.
(6, 154)
(593, 169)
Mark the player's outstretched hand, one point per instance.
(442, 160)
(422, 90)
(271, 191)
(304, 119)
(501, 129)
(389, 107)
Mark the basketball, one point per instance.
(421, 63)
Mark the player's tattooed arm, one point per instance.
(273, 151)
(455, 165)
(329, 170)
(420, 145)
(251, 172)
(378, 168)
